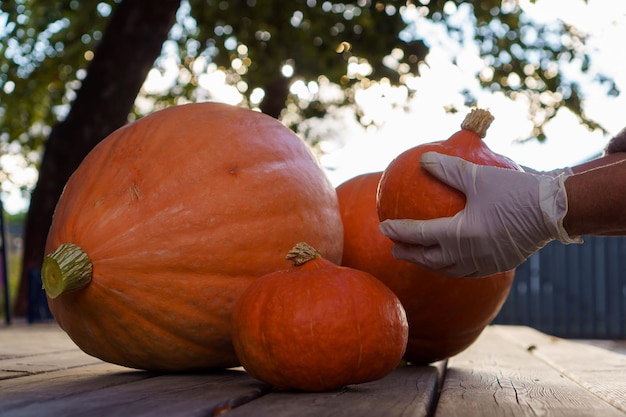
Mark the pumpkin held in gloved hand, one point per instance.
(445, 314)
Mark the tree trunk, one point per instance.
(129, 47)
(276, 93)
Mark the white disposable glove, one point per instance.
(508, 216)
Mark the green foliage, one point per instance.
(252, 41)
(317, 38)
(45, 50)
(527, 58)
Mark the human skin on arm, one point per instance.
(596, 197)
(587, 212)
(600, 162)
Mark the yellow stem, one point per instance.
(478, 121)
(302, 253)
(67, 268)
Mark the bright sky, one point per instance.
(567, 144)
(424, 118)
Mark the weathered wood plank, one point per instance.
(105, 390)
(36, 348)
(600, 371)
(49, 362)
(495, 377)
(407, 391)
(508, 371)
(32, 339)
(17, 393)
(45, 373)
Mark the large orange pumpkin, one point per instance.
(318, 326)
(168, 220)
(445, 314)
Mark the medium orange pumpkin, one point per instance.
(168, 220)
(445, 314)
(318, 326)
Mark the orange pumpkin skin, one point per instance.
(445, 315)
(179, 212)
(319, 326)
(408, 191)
(364, 246)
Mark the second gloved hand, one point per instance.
(508, 216)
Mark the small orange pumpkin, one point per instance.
(445, 314)
(168, 220)
(318, 326)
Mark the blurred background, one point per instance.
(360, 81)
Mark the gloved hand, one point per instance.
(508, 216)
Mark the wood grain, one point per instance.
(408, 391)
(600, 371)
(496, 377)
(134, 393)
(24, 340)
(509, 371)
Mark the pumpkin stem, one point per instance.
(302, 253)
(478, 121)
(65, 269)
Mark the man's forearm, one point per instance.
(599, 162)
(597, 197)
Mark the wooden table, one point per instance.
(509, 371)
